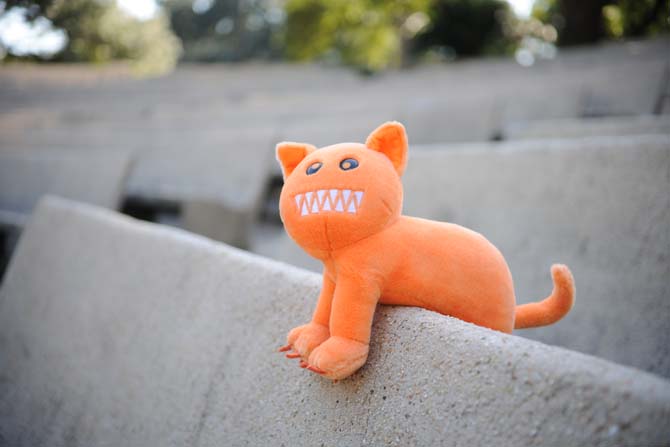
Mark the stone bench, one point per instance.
(94, 177)
(209, 181)
(217, 181)
(151, 336)
(600, 205)
(589, 127)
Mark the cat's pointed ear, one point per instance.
(391, 140)
(290, 154)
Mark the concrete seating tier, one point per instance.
(589, 127)
(599, 205)
(150, 336)
(96, 177)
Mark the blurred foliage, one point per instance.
(99, 32)
(641, 17)
(587, 21)
(468, 27)
(367, 34)
(34, 8)
(226, 30)
(371, 35)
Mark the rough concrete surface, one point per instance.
(589, 127)
(116, 332)
(217, 178)
(95, 177)
(472, 100)
(599, 205)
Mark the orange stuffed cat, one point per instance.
(342, 204)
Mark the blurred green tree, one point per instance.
(99, 31)
(468, 27)
(642, 17)
(587, 21)
(226, 30)
(368, 34)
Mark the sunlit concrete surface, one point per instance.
(116, 332)
(96, 177)
(590, 127)
(599, 205)
(472, 100)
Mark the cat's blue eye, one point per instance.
(348, 164)
(314, 167)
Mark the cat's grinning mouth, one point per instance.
(328, 200)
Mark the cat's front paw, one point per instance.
(338, 357)
(302, 340)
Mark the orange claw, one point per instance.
(292, 355)
(285, 348)
(315, 369)
(303, 364)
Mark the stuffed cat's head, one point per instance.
(340, 194)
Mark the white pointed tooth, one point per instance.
(359, 197)
(298, 197)
(304, 211)
(308, 196)
(326, 206)
(320, 193)
(338, 206)
(315, 207)
(333, 195)
(346, 193)
(352, 207)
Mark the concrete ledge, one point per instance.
(589, 127)
(95, 177)
(153, 336)
(599, 205)
(217, 179)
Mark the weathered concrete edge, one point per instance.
(613, 380)
(540, 144)
(297, 274)
(287, 271)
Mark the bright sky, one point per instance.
(522, 7)
(142, 9)
(37, 38)
(146, 9)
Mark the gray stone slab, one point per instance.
(150, 336)
(469, 100)
(95, 177)
(217, 178)
(589, 127)
(599, 205)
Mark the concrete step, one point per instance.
(216, 180)
(211, 179)
(599, 205)
(589, 127)
(96, 177)
(473, 100)
(153, 336)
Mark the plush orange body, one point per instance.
(342, 204)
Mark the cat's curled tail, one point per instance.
(552, 308)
